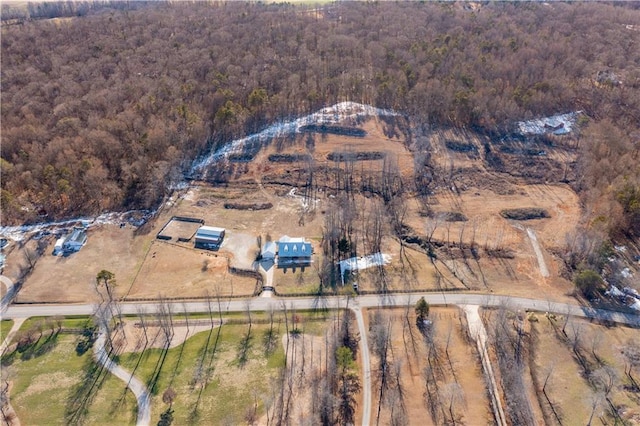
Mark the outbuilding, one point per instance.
(209, 237)
(269, 250)
(75, 240)
(58, 248)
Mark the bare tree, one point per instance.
(452, 395)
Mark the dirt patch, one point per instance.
(244, 247)
(448, 216)
(289, 158)
(133, 339)
(527, 213)
(355, 156)
(181, 229)
(459, 146)
(334, 130)
(248, 206)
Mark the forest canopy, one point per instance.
(104, 111)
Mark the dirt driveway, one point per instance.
(244, 248)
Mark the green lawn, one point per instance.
(49, 375)
(5, 326)
(235, 385)
(46, 380)
(70, 322)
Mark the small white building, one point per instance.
(75, 240)
(209, 237)
(269, 250)
(58, 247)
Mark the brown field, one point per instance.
(486, 229)
(178, 229)
(173, 270)
(584, 369)
(570, 387)
(72, 278)
(461, 369)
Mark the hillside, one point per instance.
(106, 111)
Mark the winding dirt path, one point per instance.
(544, 271)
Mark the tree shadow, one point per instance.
(82, 395)
(40, 347)
(244, 347)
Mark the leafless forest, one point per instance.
(104, 105)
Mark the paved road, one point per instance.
(369, 301)
(132, 382)
(479, 334)
(366, 368)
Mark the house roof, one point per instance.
(294, 249)
(288, 239)
(269, 249)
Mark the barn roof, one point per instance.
(209, 232)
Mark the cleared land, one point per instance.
(484, 252)
(433, 377)
(587, 374)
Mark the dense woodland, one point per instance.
(107, 110)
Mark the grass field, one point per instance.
(5, 326)
(238, 369)
(44, 385)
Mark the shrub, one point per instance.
(588, 282)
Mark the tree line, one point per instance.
(107, 110)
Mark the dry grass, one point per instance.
(462, 367)
(174, 270)
(72, 278)
(568, 388)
